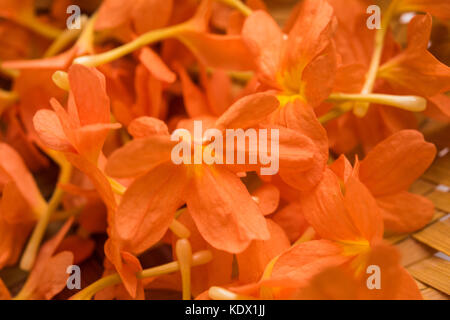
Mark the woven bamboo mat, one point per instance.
(425, 253)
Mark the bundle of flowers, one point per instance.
(199, 150)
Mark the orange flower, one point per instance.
(417, 71)
(351, 229)
(387, 171)
(290, 65)
(84, 126)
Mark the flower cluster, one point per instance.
(87, 140)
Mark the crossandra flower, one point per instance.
(84, 126)
(417, 71)
(349, 223)
(149, 159)
(387, 171)
(398, 72)
(221, 149)
(289, 65)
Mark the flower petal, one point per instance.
(396, 162)
(148, 207)
(223, 210)
(139, 156)
(405, 212)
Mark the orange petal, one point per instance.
(80, 247)
(405, 212)
(393, 276)
(324, 209)
(156, 66)
(248, 111)
(97, 177)
(223, 210)
(13, 207)
(438, 107)
(127, 265)
(416, 69)
(219, 51)
(50, 130)
(302, 48)
(44, 262)
(264, 38)
(89, 139)
(342, 167)
(139, 156)
(194, 99)
(253, 260)
(363, 210)
(15, 169)
(292, 220)
(113, 13)
(300, 117)
(298, 265)
(395, 163)
(150, 15)
(218, 88)
(54, 279)
(268, 198)
(89, 91)
(143, 127)
(148, 207)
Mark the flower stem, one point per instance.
(239, 5)
(409, 103)
(198, 258)
(63, 40)
(361, 108)
(31, 250)
(143, 40)
(184, 255)
(33, 23)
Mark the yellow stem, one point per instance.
(33, 23)
(332, 114)
(85, 42)
(361, 108)
(198, 258)
(143, 40)
(31, 250)
(409, 103)
(179, 229)
(238, 5)
(65, 38)
(184, 255)
(11, 73)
